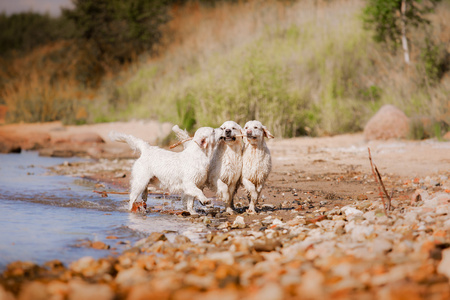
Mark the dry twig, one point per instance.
(381, 187)
(179, 143)
(105, 193)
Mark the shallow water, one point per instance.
(45, 217)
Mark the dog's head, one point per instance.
(230, 132)
(255, 132)
(205, 137)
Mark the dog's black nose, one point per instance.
(228, 131)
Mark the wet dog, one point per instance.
(257, 161)
(226, 161)
(180, 172)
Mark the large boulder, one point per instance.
(388, 123)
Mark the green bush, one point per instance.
(24, 32)
(117, 30)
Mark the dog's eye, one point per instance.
(246, 127)
(255, 127)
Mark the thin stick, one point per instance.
(179, 143)
(105, 193)
(376, 179)
(111, 192)
(384, 189)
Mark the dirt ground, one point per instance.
(318, 172)
(321, 231)
(307, 173)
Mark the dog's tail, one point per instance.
(181, 134)
(135, 143)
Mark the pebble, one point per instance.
(225, 257)
(34, 291)
(351, 212)
(444, 266)
(131, 276)
(84, 291)
(238, 223)
(99, 245)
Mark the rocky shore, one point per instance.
(321, 232)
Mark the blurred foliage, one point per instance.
(41, 86)
(117, 29)
(434, 60)
(384, 16)
(300, 67)
(25, 31)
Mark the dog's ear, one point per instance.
(204, 143)
(267, 133)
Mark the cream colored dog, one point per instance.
(226, 161)
(180, 172)
(257, 161)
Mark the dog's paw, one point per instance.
(193, 213)
(139, 207)
(251, 211)
(205, 202)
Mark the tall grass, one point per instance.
(305, 67)
(295, 68)
(42, 87)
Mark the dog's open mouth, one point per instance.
(251, 137)
(228, 138)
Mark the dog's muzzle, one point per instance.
(228, 138)
(250, 136)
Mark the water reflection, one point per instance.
(45, 217)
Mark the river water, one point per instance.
(45, 217)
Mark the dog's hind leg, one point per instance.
(140, 178)
(145, 194)
(138, 189)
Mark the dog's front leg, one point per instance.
(224, 193)
(193, 191)
(252, 195)
(189, 202)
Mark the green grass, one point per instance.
(314, 71)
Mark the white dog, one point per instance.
(179, 172)
(226, 161)
(257, 161)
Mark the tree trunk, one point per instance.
(404, 39)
